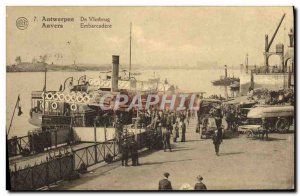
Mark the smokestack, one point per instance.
(266, 43)
(115, 73)
(291, 36)
(225, 71)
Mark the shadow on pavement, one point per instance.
(230, 153)
(162, 162)
(274, 139)
(173, 146)
(270, 139)
(199, 140)
(181, 149)
(148, 152)
(288, 132)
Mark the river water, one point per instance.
(24, 83)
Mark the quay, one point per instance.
(244, 163)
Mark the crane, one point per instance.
(269, 44)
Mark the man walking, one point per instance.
(199, 185)
(183, 130)
(170, 122)
(265, 128)
(176, 132)
(134, 153)
(217, 114)
(165, 184)
(188, 116)
(166, 139)
(125, 153)
(217, 142)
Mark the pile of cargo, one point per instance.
(264, 96)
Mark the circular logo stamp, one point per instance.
(22, 23)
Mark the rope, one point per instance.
(17, 105)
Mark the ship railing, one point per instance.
(43, 174)
(103, 151)
(38, 141)
(95, 153)
(17, 145)
(62, 164)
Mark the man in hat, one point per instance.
(183, 131)
(265, 129)
(118, 128)
(217, 114)
(217, 142)
(134, 153)
(169, 122)
(165, 184)
(166, 139)
(176, 128)
(125, 151)
(200, 185)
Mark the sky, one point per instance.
(161, 36)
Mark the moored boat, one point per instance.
(235, 85)
(226, 81)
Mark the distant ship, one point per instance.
(226, 81)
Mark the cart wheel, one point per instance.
(282, 125)
(250, 133)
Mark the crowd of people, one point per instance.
(160, 127)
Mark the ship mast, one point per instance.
(130, 51)
(44, 90)
(247, 63)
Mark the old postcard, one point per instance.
(150, 98)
